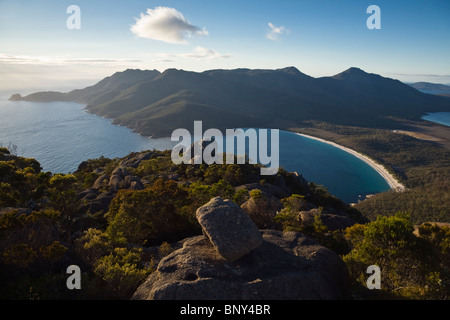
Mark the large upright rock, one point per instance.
(287, 266)
(229, 228)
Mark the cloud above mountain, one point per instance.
(275, 32)
(204, 53)
(198, 53)
(166, 24)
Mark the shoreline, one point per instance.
(393, 183)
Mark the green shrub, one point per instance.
(123, 271)
(63, 193)
(150, 216)
(165, 249)
(92, 245)
(240, 196)
(411, 266)
(256, 194)
(9, 197)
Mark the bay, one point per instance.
(438, 117)
(343, 174)
(60, 135)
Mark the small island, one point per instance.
(15, 97)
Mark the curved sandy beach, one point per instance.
(393, 183)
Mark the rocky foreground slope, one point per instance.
(273, 238)
(236, 261)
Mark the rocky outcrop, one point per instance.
(121, 179)
(269, 188)
(95, 201)
(262, 210)
(99, 183)
(287, 266)
(134, 159)
(337, 222)
(229, 228)
(101, 202)
(8, 210)
(234, 260)
(300, 179)
(333, 221)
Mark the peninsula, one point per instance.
(154, 103)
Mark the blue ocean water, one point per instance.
(344, 175)
(60, 135)
(438, 117)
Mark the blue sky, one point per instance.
(320, 38)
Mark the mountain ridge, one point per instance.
(155, 103)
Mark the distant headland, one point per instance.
(154, 103)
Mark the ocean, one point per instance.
(60, 135)
(438, 117)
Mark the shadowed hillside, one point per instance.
(154, 103)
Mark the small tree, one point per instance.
(389, 243)
(62, 193)
(63, 198)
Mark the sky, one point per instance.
(45, 46)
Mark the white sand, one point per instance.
(393, 183)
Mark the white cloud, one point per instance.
(275, 32)
(57, 60)
(201, 53)
(165, 24)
